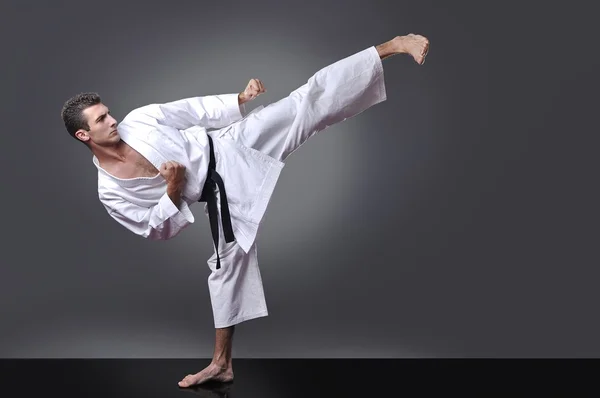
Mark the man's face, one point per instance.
(103, 127)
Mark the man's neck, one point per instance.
(112, 154)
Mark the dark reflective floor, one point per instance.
(267, 378)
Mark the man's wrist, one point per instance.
(174, 193)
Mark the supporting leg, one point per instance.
(220, 368)
(237, 295)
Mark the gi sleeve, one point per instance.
(210, 112)
(160, 222)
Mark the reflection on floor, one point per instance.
(286, 378)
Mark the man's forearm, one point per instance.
(242, 99)
(174, 193)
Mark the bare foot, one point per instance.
(415, 45)
(212, 372)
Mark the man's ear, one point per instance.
(82, 135)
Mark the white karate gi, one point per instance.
(249, 152)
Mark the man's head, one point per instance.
(87, 119)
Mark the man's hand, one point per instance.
(174, 174)
(253, 90)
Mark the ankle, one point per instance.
(221, 363)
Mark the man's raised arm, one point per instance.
(212, 111)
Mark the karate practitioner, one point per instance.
(161, 158)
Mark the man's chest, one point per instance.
(135, 166)
(142, 166)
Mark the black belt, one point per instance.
(213, 179)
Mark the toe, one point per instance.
(186, 381)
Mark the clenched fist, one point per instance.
(253, 90)
(173, 172)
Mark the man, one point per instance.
(162, 158)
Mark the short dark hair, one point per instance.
(72, 111)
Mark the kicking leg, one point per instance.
(333, 94)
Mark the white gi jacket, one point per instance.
(178, 131)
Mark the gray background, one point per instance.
(458, 218)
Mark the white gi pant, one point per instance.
(333, 94)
